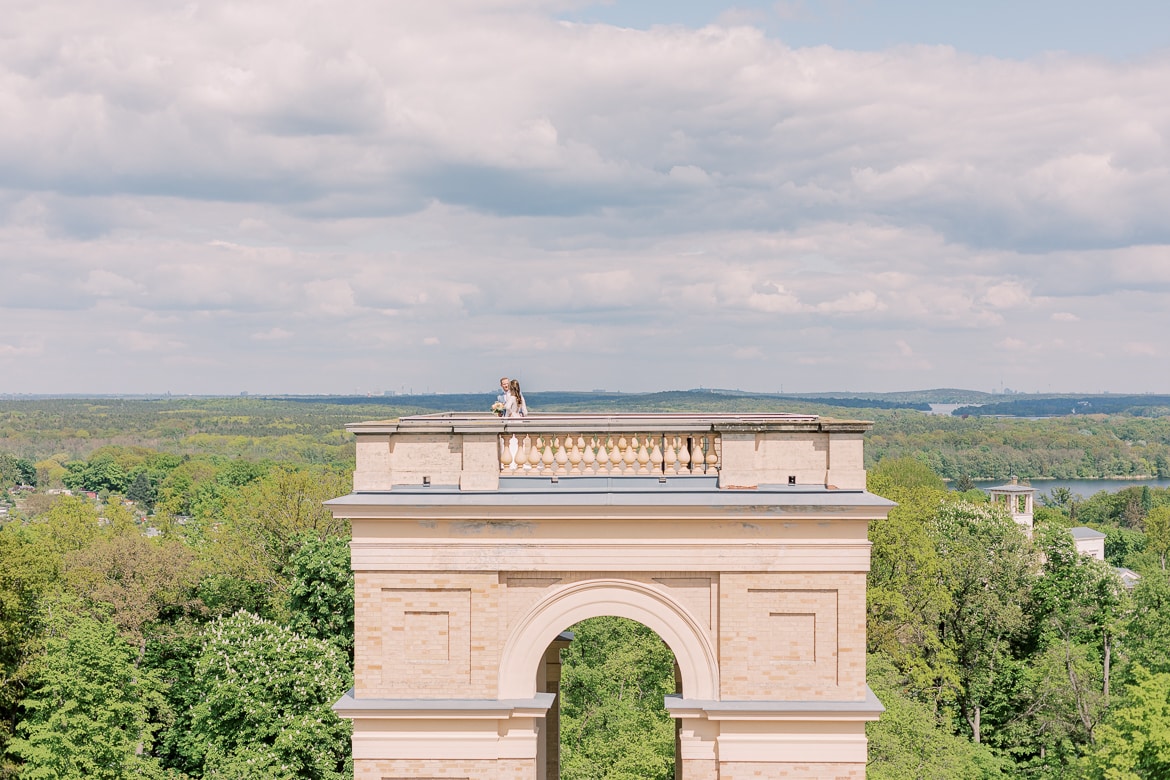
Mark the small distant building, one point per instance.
(1089, 542)
(1129, 577)
(1019, 500)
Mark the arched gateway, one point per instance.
(740, 539)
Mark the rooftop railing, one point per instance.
(622, 454)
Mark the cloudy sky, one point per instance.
(295, 196)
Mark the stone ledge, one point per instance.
(869, 709)
(350, 706)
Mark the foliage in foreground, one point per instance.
(89, 713)
(614, 676)
(909, 742)
(263, 698)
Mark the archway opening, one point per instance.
(613, 675)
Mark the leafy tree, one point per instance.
(16, 471)
(131, 578)
(1123, 546)
(904, 600)
(99, 473)
(1134, 744)
(70, 524)
(1148, 633)
(1158, 533)
(903, 474)
(1046, 516)
(1078, 605)
(614, 676)
(1059, 498)
(321, 591)
(88, 716)
(988, 573)
(26, 574)
(142, 491)
(269, 521)
(908, 742)
(964, 483)
(264, 692)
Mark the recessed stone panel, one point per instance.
(426, 637)
(793, 635)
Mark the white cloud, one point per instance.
(1139, 349)
(272, 334)
(441, 187)
(1007, 295)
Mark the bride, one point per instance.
(514, 405)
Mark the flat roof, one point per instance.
(1084, 532)
(468, 422)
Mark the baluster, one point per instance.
(656, 456)
(506, 459)
(670, 465)
(643, 455)
(561, 457)
(589, 457)
(546, 457)
(684, 455)
(575, 454)
(602, 456)
(712, 454)
(627, 455)
(525, 450)
(615, 456)
(534, 456)
(697, 455)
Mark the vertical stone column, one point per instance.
(549, 681)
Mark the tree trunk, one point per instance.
(973, 721)
(1108, 655)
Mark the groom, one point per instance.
(503, 396)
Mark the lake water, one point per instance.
(1083, 487)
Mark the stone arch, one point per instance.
(683, 634)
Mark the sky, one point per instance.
(365, 196)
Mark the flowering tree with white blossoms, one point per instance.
(264, 711)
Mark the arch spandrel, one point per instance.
(570, 604)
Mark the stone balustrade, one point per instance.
(613, 455)
(476, 452)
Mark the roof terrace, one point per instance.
(481, 452)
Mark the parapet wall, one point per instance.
(474, 452)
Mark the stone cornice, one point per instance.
(465, 423)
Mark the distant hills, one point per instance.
(969, 402)
(702, 400)
(975, 403)
(1062, 405)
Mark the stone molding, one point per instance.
(693, 650)
(567, 555)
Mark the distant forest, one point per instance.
(311, 429)
(1058, 406)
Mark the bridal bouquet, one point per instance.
(498, 409)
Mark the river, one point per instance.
(1082, 487)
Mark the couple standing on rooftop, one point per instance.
(512, 398)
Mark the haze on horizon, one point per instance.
(814, 195)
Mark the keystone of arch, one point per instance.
(578, 601)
